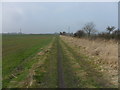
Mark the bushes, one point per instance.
(90, 33)
(79, 33)
(114, 35)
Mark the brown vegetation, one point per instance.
(105, 53)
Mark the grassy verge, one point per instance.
(46, 74)
(81, 67)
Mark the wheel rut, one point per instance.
(61, 82)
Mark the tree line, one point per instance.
(89, 31)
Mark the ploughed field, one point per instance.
(51, 61)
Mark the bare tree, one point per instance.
(89, 28)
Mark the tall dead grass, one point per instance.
(106, 52)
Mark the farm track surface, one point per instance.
(61, 81)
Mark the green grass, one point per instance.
(17, 51)
(46, 74)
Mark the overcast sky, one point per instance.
(52, 17)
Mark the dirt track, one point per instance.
(61, 82)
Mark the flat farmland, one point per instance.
(16, 49)
(53, 61)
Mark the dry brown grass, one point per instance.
(105, 51)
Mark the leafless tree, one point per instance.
(89, 28)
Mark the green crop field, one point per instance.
(17, 49)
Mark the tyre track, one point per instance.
(61, 82)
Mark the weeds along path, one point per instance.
(80, 72)
(101, 53)
(46, 75)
